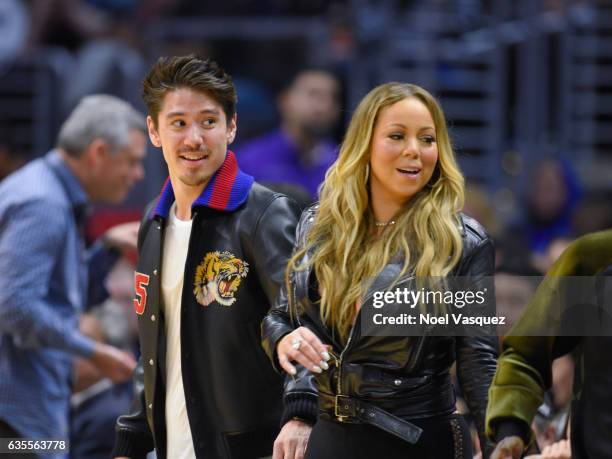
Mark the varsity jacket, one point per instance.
(241, 238)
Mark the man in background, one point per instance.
(45, 278)
(301, 150)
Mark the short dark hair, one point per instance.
(193, 72)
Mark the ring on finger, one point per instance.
(296, 343)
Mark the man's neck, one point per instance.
(75, 165)
(185, 196)
(304, 142)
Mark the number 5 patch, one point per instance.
(140, 282)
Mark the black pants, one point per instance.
(442, 438)
(7, 431)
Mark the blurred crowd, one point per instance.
(291, 120)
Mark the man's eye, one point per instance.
(208, 122)
(178, 123)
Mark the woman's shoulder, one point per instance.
(474, 237)
(472, 229)
(306, 220)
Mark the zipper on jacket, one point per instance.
(339, 366)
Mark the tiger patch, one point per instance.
(218, 277)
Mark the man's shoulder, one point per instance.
(263, 200)
(34, 183)
(260, 197)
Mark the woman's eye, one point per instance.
(428, 140)
(396, 136)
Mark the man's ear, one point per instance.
(96, 153)
(153, 134)
(231, 129)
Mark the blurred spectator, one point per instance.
(478, 206)
(544, 261)
(102, 35)
(14, 29)
(44, 282)
(512, 292)
(97, 401)
(594, 213)
(552, 193)
(300, 151)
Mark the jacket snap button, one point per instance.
(155, 272)
(398, 382)
(152, 317)
(151, 361)
(150, 406)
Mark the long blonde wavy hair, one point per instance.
(345, 254)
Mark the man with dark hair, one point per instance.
(300, 151)
(213, 249)
(44, 281)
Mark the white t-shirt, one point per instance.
(176, 244)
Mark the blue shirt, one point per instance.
(43, 285)
(274, 157)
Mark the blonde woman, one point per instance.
(390, 204)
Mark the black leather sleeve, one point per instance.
(300, 393)
(133, 437)
(278, 322)
(273, 240)
(477, 355)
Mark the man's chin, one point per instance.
(318, 132)
(193, 181)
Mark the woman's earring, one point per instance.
(367, 173)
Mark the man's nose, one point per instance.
(194, 137)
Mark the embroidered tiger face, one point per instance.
(218, 277)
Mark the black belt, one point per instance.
(351, 409)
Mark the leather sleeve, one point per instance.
(278, 322)
(300, 392)
(133, 437)
(477, 355)
(300, 397)
(272, 242)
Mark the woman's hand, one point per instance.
(302, 346)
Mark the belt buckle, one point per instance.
(337, 405)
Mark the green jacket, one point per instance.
(524, 368)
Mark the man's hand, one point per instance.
(509, 448)
(123, 236)
(113, 363)
(292, 440)
(302, 346)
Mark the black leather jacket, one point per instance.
(233, 396)
(407, 377)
